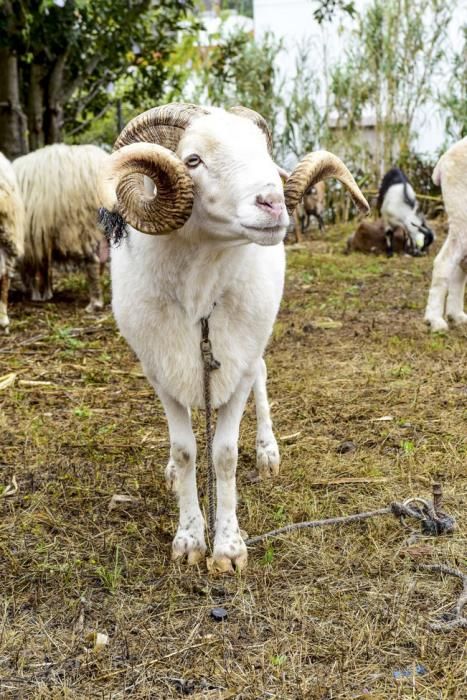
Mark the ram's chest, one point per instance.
(171, 353)
(159, 301)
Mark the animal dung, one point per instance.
(346, 447)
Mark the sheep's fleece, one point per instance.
(11, 232)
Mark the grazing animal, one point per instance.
(312, 204)
(370, 237)
(11, 233)
(446, 296)
(59, 188)
(398, 207)
(219, 197)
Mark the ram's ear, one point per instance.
(284, 174)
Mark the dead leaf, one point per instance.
(118, 498)
(7, 380)
(289, 438)
(327, 323)
(34, 382)
(418, 551)
(99, 640)
(11, 489)
(350, 480)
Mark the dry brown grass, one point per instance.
(322, 614)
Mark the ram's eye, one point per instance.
(193, 161)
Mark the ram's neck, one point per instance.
(195, 276)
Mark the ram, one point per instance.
(11, 233)
(58, 186)
(398, 207)
(311, 204)
(216, 276)
(446, 295)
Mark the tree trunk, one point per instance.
(36, 107)
(53, 119)
(12, 119)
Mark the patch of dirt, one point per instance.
(334, 613)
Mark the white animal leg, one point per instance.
(229, 547)
(4, 285)
(96, 302)
(455, 300)
(443, 268)
(181, 478)
(267, 452)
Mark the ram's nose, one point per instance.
(272, 202)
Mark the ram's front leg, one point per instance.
(267, 451)
(229, 547)
(181, 479)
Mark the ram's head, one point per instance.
(209, 171)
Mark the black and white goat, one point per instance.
(398, 206)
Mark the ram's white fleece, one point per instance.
(227, 262)
(446, 296)
(239, 287)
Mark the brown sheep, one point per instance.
(370, 238)
(312, 204)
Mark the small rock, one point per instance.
(345, 447)
(409, 672)
(219, 614)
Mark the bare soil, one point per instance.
(329, 613)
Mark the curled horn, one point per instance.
(122, 188)
(315, 167)
(146, 147)
(257, 119)
(163, 125)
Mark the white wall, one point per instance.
(293, 20)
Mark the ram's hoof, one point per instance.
(267, 459)
(437, 325)
(230, 554)
(94, 306)
(226, 565)
(189, 542)
(4, 324)
(458, 319)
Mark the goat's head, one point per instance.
(213, 175)
(420, 233)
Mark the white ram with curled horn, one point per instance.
(219, 197)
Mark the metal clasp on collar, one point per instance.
(206, 347)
